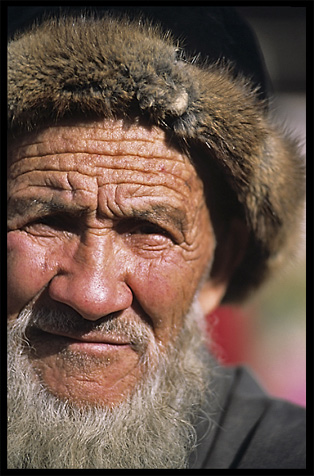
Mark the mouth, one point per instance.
(95, 347)
(92, 343)
(92, 338)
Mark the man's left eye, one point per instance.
(149, 229)
(148, 235)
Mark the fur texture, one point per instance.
(116, 68)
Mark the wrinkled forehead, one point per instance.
(103, 157)
(122, 136)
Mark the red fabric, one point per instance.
(230, 334)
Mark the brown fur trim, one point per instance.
(113, 68)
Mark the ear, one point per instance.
(229, 253)
(211, 295)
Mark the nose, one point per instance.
(92, 280)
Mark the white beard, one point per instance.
(152, 428)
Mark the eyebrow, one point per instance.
(20, 206)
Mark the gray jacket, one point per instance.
(251, 430)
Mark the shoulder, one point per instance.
(277, 440)
(249, 428)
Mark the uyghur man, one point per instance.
(141, 181)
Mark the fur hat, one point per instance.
(110, 67)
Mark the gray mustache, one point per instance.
(70, 322)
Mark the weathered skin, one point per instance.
(133, 237)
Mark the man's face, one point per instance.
(108, 230)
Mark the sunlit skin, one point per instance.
(103, 219)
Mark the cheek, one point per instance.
(165, 290)
(28, 270)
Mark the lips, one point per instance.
(94, 345)
(90, 338)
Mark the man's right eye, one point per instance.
(54, 222)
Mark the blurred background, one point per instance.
(268, 333)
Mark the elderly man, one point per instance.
(140, 182)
